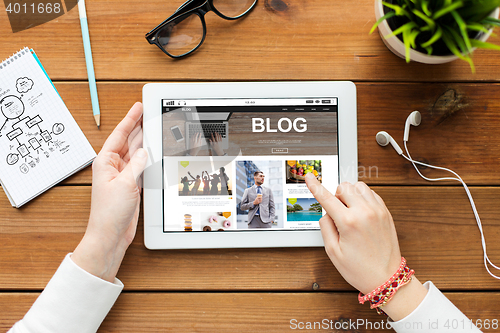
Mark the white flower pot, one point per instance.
(398, 48)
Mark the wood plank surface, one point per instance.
(249, 290)
(459, 130)
(279, 40)
(255, 312)
(459, 127)
(437, 232)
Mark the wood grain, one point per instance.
(248, 290)
(459, 127)
(436, 229)
(458, 131)
(279, 40)
(243, 312)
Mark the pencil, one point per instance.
(90, 64)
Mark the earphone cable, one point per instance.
(471, 200)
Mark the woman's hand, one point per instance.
(360, 239)
(359, 234)
(116, 188)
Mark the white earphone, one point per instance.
(383, 138)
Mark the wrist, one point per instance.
(397, 297)
(381, 275)
(406, 300)
(99, 257)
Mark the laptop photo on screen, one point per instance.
(207, 124)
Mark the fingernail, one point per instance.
(141, 153)
(310, 175)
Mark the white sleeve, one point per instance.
(436, 313)
(73, 301)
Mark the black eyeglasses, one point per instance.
(184, 31)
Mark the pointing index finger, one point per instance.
(333, 206)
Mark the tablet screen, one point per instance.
(240, 164)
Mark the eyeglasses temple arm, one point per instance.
(183, 5)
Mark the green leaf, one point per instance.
(463, 29)
(437, 35)
(471, 64)
(400, 11)
(477, 27)
(405, 27)
(447, 9)
(451, 44)
(425, 8)
(413, 37)
(453, 48)
(406, 41)
(475, 12)
(451, 21)
(484, 45)
(458, 39)
(385, 17)
(490, 21)
(430, 22)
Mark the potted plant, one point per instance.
(436, 31)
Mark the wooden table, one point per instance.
(252, 290)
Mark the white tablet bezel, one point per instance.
(153, 93)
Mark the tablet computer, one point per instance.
(227, 161)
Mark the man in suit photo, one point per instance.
(259, 202)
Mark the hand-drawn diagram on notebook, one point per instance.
(30, 138)
(40, 142)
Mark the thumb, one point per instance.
(135, 166)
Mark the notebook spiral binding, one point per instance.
(14, 57)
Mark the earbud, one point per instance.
(383, 138)
(413, 119)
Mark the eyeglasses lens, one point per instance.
(233, 8)
(182, 35)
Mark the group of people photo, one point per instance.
(204, 183)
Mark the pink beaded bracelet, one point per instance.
(384, 293)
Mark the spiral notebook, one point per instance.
(40, 142)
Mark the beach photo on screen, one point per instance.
(303, 209)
